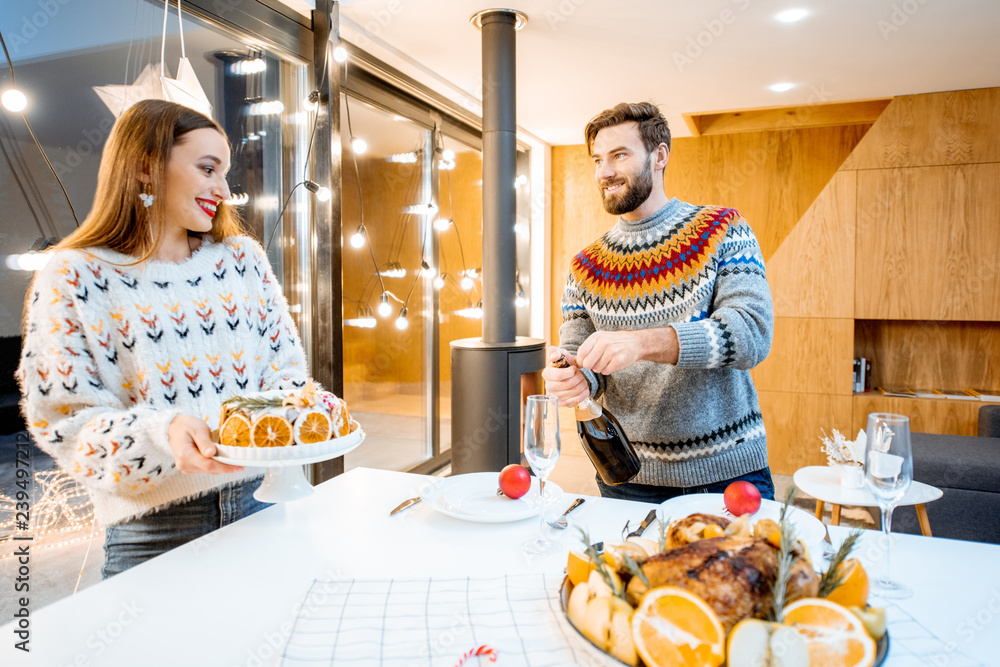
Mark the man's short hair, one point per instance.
(652, 125)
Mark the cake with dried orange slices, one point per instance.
(283, 418)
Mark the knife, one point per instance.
(644, 525)
(403, 505)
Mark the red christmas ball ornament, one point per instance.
(514, 481)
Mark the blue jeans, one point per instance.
(133, 542)
(648, 493)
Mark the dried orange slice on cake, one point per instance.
(271, 430)
(235, 431)
(312, 426)
(673, 627)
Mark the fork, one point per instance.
(561, 522)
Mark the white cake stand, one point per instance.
(285, 480)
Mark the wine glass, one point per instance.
(541, 449)
(888, 473)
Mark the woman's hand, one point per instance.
(193, 448)
(569, 385)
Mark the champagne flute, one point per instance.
(888, 473)
(541, 449)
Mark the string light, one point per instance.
(358, 238)
(439, 281)
(63, 508)
(470, 312)
(251, 66)
(384, 309)
(364, 320)
(401, 321)
(29, 261)
(268, 108)
(420, 209)
(448, 155)
(14, 100)
(520, 180)
(359, 146)
(393, 270)
(521, 301)
(427, 269)
(466, 283)
(322, 193)
(442, 224)
(312, 101)
(238, 200)
(403, 158)
(340, 54)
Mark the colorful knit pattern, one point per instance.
(113, 352)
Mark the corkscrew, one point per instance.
(586, 404)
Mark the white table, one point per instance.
(225, 599)
(823, 484)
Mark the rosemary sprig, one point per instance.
(664, 529)
(832, 578)
(602, 566)
(254, 403)
(634, 568)
(787, 556)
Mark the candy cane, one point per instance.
(482, 650)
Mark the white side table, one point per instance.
(823, 484)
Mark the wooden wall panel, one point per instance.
(927, 415)
(928, 243)
(578, 218)
(812, 273)
(957, 127)
(795, 423)
(808, 355)
(771, 177)
(941, 355)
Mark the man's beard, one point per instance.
(636, 191)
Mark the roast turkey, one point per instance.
(734, 575)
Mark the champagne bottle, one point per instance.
(604, 440)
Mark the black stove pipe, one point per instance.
(499, 155)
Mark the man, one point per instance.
(663, 317)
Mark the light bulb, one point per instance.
(441, 224)
(781, 87)
(358, 238)
(429, 270)
(401, 322)
(340, 54)
(384, 309)
(439, 281)
(323, 194)
(14, 100)
(447, 155)
(359, 145)
(520, 301)
(792, 15)
(467, 283)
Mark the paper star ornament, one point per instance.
(186, 89)
(147, 86)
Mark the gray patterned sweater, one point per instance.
(699, 270)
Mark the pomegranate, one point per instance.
(514, 481)
(742, 498)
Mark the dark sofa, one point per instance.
(967, 470)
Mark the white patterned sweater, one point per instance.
(113, 352)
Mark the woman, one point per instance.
(145, 319)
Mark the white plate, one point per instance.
(473, 497)
(294, 454)
(808, 528)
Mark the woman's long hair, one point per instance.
(140, 143)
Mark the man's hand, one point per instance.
(608, 351)
(569, 385)
(193, 448)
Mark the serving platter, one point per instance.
(285, 480)
(881, 645)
